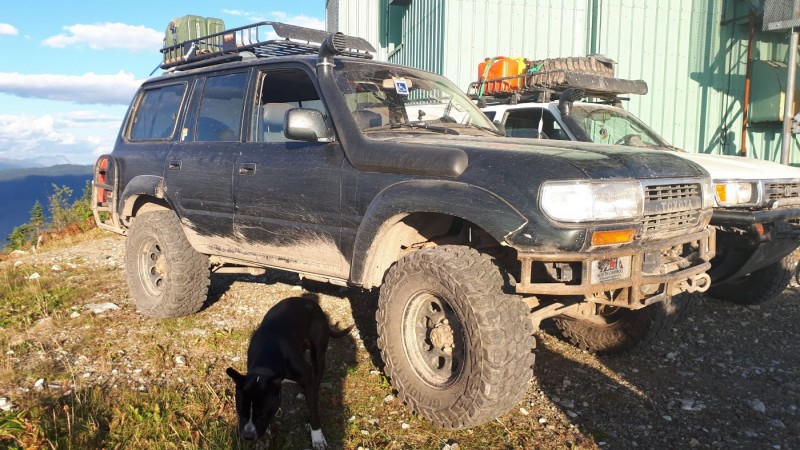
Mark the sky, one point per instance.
(69, 69)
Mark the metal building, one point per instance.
(692, 53)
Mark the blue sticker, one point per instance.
(400, 86)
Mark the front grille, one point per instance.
(665, 223)
(778, 191)
(669, 208)
(672, 191)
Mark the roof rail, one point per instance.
(258, 39)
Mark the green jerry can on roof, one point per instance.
(191, 28)
(214, 26)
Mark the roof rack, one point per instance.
(257, 39)
(545, 86)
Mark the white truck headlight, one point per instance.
(735, 193)
(584, 201)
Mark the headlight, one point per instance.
(584, 201)
(736, 193)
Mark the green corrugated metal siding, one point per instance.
(667, 44)
(358, 18)
(422, 31)
(694, 64)
(476, 29)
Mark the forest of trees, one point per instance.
(63, 218)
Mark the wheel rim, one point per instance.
(433, 340)
(153, 267)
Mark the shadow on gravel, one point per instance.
(726, 376)
(364, 304)
(221, 283)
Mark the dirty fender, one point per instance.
(477, 205)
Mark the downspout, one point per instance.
(746, 106)
(786, 142)
(594, 26)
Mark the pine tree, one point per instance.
(37, 221)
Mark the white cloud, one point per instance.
(105, 36)
(88, 88)
(77, 137)
(278, 16)
(6, 29)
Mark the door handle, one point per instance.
(247, 169)
(175, 165)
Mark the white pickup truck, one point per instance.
(757, 211)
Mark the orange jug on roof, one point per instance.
(500, 67)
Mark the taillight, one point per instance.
(100, 178)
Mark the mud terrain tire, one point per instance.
(551, 71)
(577, 64)
(760, 286)
(625, 329)
(166, 276)
(457, 349)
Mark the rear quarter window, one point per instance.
(156, 113)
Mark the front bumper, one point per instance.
(746, 217)
(640, 288)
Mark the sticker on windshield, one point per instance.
(401, 86)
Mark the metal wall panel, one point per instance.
(360, 18)
(688, 51)
(477, 29)
(422, 31)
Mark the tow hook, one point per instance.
(696, 283)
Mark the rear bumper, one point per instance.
(687, 257)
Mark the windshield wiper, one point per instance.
(414, 126)
(424, 126)
(481, 127)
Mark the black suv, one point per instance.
(285, 154)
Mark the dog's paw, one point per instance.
(318, 440)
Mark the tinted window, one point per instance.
(157, 112)
(282, 90)
(220, 115)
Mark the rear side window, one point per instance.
(526, 122)
(157, 113)
(220, 115)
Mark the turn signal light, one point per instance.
(609, 237)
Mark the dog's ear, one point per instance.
(237, 377)
(310, 296)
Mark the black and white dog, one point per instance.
(276, 353)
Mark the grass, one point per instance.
(191, 405)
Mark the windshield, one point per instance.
(383, 98)
(604, 125)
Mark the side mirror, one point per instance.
(303, 124)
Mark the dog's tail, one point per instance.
(340, 333)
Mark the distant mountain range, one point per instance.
(21, 187)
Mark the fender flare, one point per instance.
(150, 185)
(465, 201)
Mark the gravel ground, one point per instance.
(727, 376)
